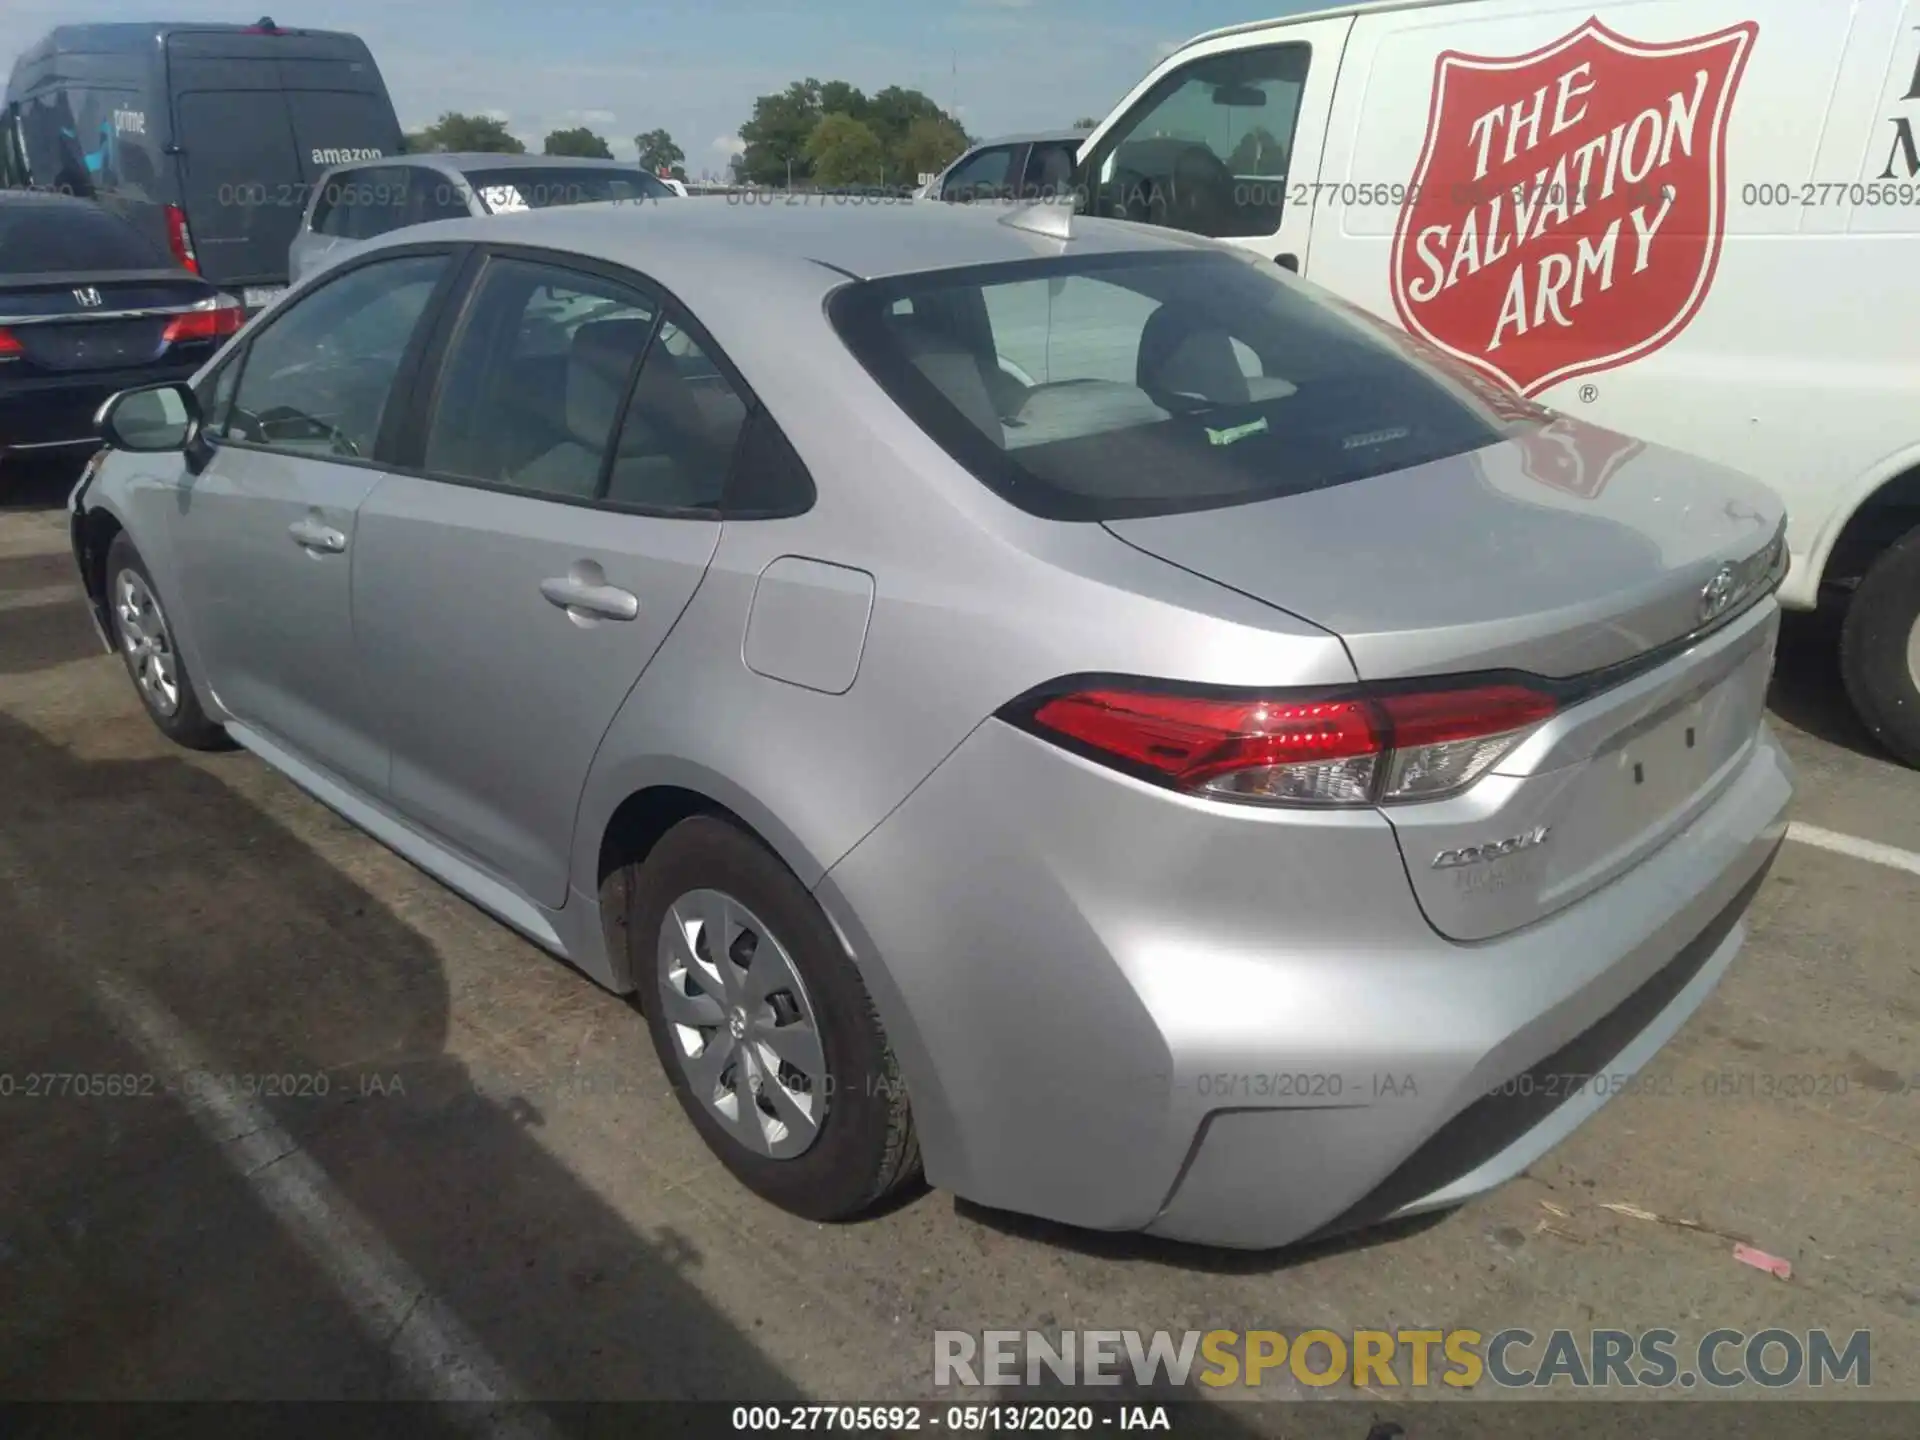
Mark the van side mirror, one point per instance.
(151, 420)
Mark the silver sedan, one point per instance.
(1055, 703)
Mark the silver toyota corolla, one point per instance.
(1061, 704)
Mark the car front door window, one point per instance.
(1208, 150)
(317, 379)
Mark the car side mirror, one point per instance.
(151, 420)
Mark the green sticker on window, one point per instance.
(1235, 432)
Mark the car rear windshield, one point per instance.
(50, 239)
(528, 188)
(1107, 386)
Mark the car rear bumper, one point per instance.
(1126, 1010)
(56, 412)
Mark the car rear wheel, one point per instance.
(1880, 649)
(145, 642)
(766, 1032)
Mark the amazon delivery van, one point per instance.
(208, 137)
(1694, 222)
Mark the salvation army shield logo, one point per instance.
(1567, 212)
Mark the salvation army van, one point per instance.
(1695, 222)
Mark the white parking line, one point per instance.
(1887, 855)
(436, 1353)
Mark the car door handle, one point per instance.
(609, 602)
(312, 535)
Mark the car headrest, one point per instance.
(954, 371)
(597, 370)
(1183, 355)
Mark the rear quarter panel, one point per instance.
(1799, 364)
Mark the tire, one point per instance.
(145, 643)
(863, 1147)
(1880, 649)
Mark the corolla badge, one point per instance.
(1717, 594)
(1494, 850)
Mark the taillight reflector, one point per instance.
(1372, 747)
(224, 317)
(10, 346)
(180, 239)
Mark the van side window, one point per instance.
(1208, 149)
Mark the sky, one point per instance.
(694, 70)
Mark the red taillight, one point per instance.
(1359, 749)
(10, 346)
(180, 239)
(217, 321)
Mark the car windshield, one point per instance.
(49, 239)
(537, 188)
(1106, 386)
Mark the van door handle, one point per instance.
(607, 602)
(312, 535)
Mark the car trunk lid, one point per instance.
(83, 322)
(1589, 560)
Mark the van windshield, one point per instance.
(250, 156)
(1105, 386)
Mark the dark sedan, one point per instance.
(90, 306)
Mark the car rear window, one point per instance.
(37, 239)
(1107, 386)
(530, 188)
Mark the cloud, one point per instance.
(728, 145)
(505, 117)
(592, 117)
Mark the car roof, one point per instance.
(489, 160)
(46, 197)
(1325, 12)
(694, 242)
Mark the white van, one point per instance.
(1695, 221)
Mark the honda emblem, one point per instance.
(88, 296)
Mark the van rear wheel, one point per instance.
(1880, 650)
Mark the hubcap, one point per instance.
(1913, 654)
(744, 1030)
(146, 642)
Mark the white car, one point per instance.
(352, 204)
(1695, 221)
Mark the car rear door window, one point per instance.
(682, 428)
(317, 379)
(535, 381)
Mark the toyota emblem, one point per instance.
(1717, 594)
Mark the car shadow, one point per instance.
(37, 482)
(147, 897)
(1180, 1255)
(1806, 690)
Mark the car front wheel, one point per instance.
(144, 638)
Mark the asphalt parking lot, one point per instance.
(480, 1174)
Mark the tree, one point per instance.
(1086, 122)
(454, 131)
(418, 142)
(776, 137)
(845, 151)
(579, 142)
(930, 144)
(658, 152)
